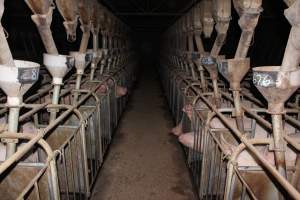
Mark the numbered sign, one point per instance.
(208, 60)
(264, 79)
(28, 75)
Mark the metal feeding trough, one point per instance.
(234, 70)
(58, 66)
(15, 82)
(277, 86)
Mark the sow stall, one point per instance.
(55, 140)
(236, 146)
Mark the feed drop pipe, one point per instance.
(206, 17)
(222, 15)
(5, 55)
(85, 20)
(249, 12)
(96, 14)
(110, 42)
(103, 18)
(42, 17)
(58, 66)
(81, 57)
(69, 10)
(197, 34)
(190, 37)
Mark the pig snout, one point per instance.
(121, 91)
(177, 130)
(187, 139)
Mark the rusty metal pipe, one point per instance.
(42, 17)
(55, 101)
(279, 144)
(13, 122)
(84, 40)
(69, 10)
(222, 16)
(238, 110)
(249, 12)
(85, 20)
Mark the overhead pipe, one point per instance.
(222, 16)
(42, 17)
(103, 30)
(197, 28)
(198, 40)
(190, 43)
(109, 41)
(69, 11)
(249, 12)
(5, 55)
(206, 17)
(235, 69)
(85, 20)
(97, 54)
(82, 59)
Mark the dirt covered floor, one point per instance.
(145, 162)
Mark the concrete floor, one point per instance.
(145, 162)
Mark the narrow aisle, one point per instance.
(145, 162)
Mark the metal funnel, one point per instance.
(209, 63)
(81, 61)
(96, 55)
(16, 81)
(275, 85)
(58, 66)
(234, 70)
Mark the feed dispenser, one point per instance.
(58, 66)
(210, 64)
(234, 70)
(15, 82)
(82, 60)
(277, 86)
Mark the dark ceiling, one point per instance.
(149, 15)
